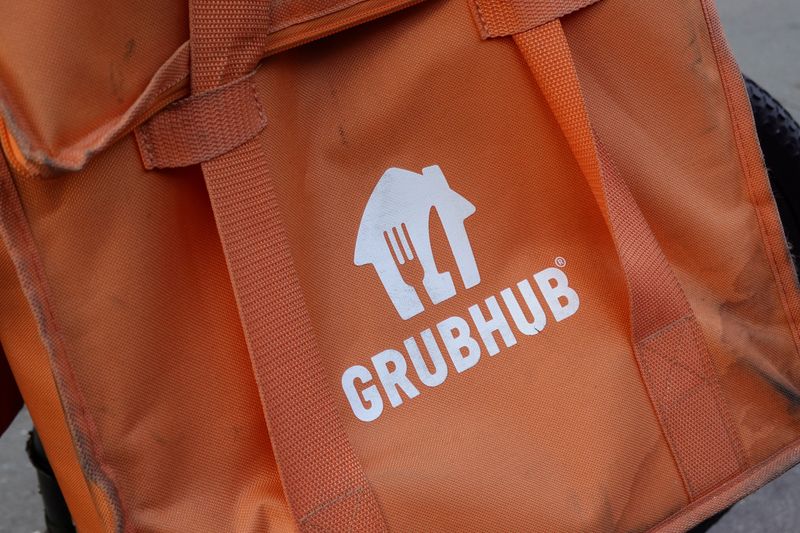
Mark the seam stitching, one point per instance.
(355, 491)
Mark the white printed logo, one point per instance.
(395, 229)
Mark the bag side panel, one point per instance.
(30, 364)
(151, 333)
(661, 108)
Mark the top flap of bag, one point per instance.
(297, 22)
(74, 77)
(70, 70)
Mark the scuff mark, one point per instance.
(117, 71)
(116, 78)
(751, 329)
(342, 135)
(130, 46)
(778, 383)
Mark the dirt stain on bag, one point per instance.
(117, 71)
(764, 358)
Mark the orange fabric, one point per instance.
(18, 240)
(200, 383)
(202, 127)
(32, 372)
(323, 480)
(752, 165)
(731, 491)
(321, 476)
(753, 386)
(214, 347)
(668, 343)
(108, 65)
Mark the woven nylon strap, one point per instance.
(500, 18)
(322, 478)
(199, 128)
(668, 344)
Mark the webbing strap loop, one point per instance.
(202, 126)
(667, 339)
(322, 478)
(500, 18)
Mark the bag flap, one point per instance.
(295, 23)
(74, 78)
(70, 70)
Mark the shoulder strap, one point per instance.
(322, 477)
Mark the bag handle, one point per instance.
(667, 339)
(322, 478)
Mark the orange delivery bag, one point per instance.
(391, 265)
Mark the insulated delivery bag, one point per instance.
(391, 265)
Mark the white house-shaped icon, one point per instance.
(402, 202)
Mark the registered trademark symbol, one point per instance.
(561, 262)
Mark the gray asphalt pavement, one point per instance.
(765, 35)
(20, 504)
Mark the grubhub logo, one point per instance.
(394, 229)
(396, 224)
